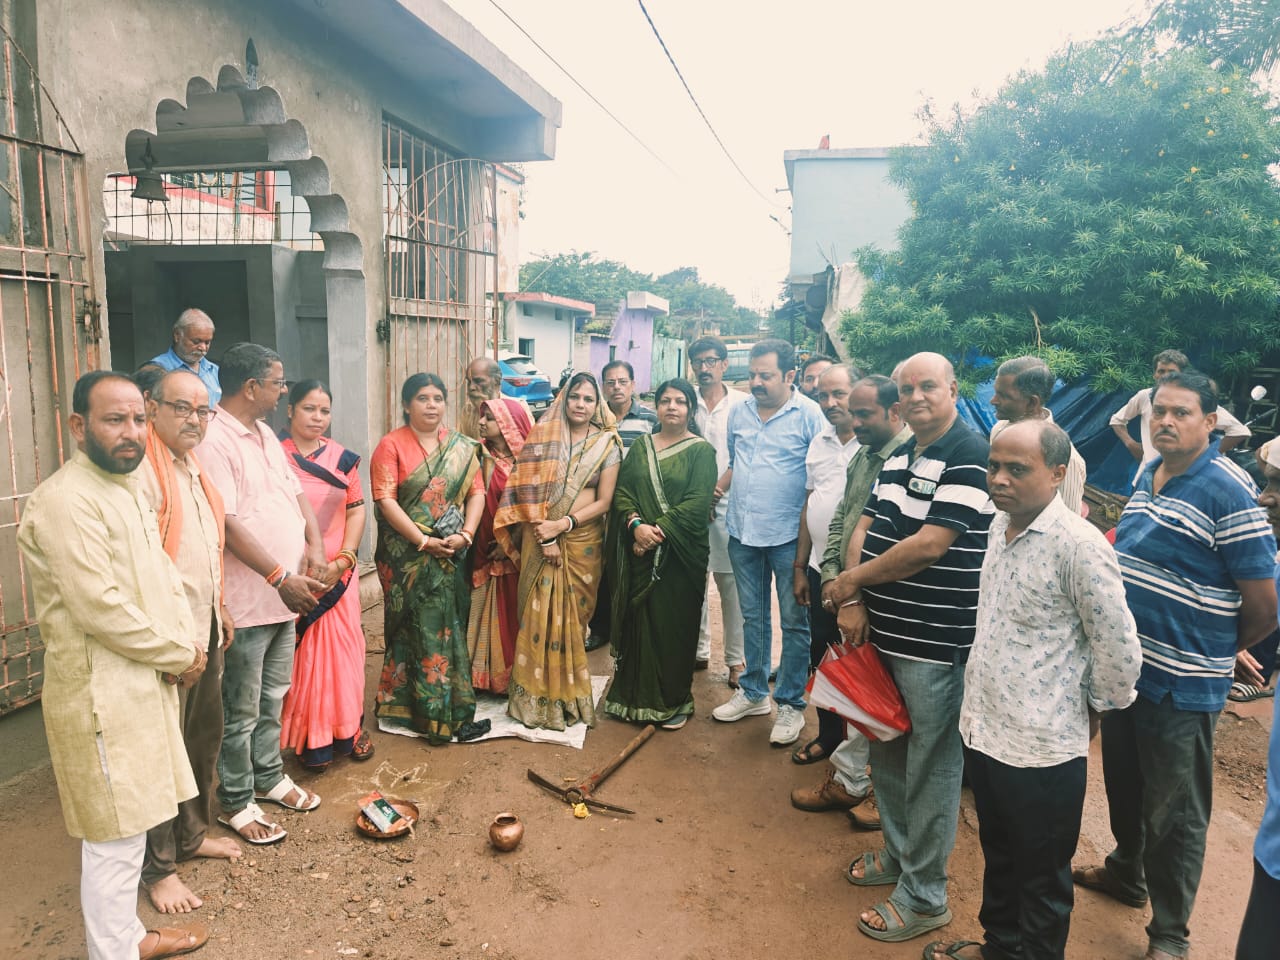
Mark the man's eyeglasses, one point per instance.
(706, 363)
(280, 384)
(617, 383)
(185, 410)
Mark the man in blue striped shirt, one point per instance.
(1197, 555)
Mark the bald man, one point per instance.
(910, 585)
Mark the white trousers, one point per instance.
(731, 613)
(850, 760)
(110, 872)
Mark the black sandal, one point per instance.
(805, 755)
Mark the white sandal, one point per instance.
(285, 787)
(253, 814)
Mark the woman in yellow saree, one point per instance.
(552, 517)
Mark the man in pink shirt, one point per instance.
(273, 547)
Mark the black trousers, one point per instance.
(1260, 932)
(823, 633)
(1028, 823)
(1157, 762)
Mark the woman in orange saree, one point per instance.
(552, 517)
(494, 620)
(324, 709)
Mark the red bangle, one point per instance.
(798, 565)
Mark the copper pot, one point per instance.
(505, 832)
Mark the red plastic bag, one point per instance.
(853, 683)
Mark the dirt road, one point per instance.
(716, 863)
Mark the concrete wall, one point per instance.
(840, 200)
(553, 339)
(108, 64)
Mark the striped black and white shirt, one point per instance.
(931, 615)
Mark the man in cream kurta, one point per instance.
(115, 622)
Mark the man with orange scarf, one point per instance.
(189, 511)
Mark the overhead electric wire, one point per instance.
(594, 99)
(698, 107)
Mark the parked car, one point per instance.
(523, 380)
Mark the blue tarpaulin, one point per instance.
(1084, 415)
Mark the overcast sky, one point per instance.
(771, 76)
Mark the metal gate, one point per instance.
(440, 227)
(49, 334)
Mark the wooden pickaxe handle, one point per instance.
(588, 785)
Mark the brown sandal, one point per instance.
(362, 749)
(175, 941)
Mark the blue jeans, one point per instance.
(918, 782)
(752, 569)
(257, 671)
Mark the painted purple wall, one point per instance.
(630, 327)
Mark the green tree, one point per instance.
(1238, 33)
(1092, 213)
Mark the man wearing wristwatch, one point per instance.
(913, 591)
(273, 548)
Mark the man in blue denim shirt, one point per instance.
(769, 437)
(192, 338)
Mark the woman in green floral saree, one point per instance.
(425, 479)
(658, 554)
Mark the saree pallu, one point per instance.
(494, 620)
(324, 707)
(657, 597)
(426, 677)
(550, 682)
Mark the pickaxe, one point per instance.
(581, 792)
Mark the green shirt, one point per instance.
(860, 478)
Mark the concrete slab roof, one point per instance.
(577, 306)
(429, 44)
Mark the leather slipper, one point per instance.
(1098, 878)
(175, 941)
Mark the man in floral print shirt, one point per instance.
(1055, 648)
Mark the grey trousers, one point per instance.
(200, 715)
(1157, 762)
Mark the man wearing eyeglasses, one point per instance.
(274, 553)
(190, 515)
(618, 382)
(709, 358)
(192, 339)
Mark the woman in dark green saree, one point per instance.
(425, 479)
(658, 554)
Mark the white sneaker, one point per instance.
(786, 729)
(739, 706)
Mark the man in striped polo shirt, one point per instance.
(913, 591)
(1197, 555)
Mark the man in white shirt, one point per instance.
(709, 359)
(825, 468)
(1022, 390)
(1056, 646)
(1166, 362)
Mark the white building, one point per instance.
(541, 326)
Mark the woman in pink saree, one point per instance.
(495, 620)
(324, 708)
